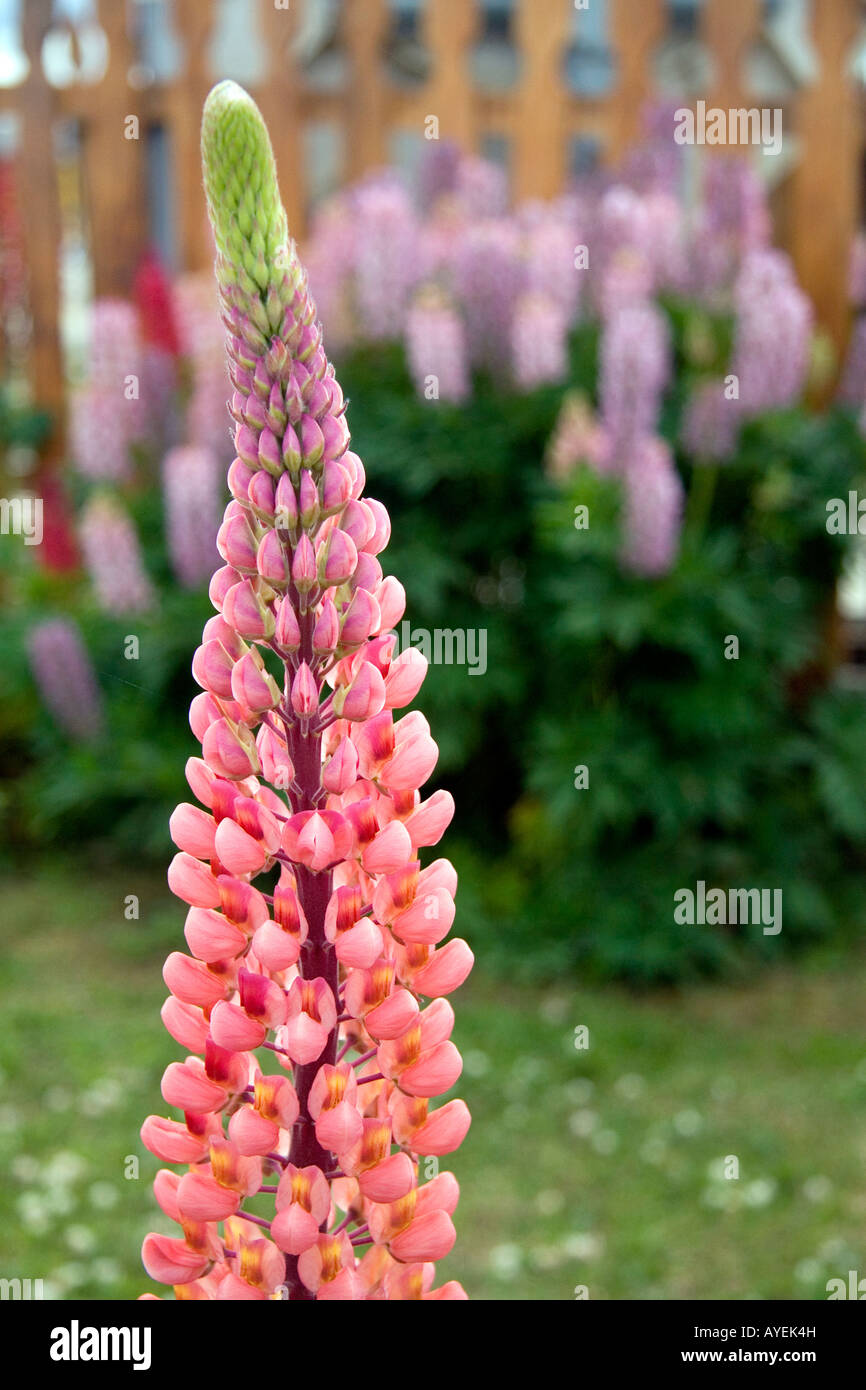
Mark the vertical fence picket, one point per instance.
(823, 202)
(114, 163)
(363, 28)
(279, 99)
(36, 177)
(449, 28)
(184, 100)
(635, 31)
(729, 28)
(540, 153)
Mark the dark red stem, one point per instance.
(317, 954)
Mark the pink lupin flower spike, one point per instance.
(312, 1002)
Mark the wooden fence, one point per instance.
(539, 117)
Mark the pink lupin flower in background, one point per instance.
(773, 333)
(735, 205)
(655, 164)
(105, 414)
(653, 509)
(852, 387)
(438, 172)
(549, 244)
(577, 438)
(488, 276)
(313, 1001)
(711, 424)
(64, 674)
(330, 267)
(157, 320)
(627, 279)
(154, 301)
(112, 557)
(620, 229)
(667, 241)
(857, 271)
(732, 220)
(634, 369)
(436, 347)
(192, 485)
(539, 341)
(387, 261)
(481, 187)
(201, 343)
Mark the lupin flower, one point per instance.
(438, 172)
(852, 387)
(733, 220)
(481, 187)
(387, 261)
(191, 489)
(549, 253)
(112, 556)
(207, 425)
(773, 333)
(488, 277)
(857, 271)
(436, 346)
(577, 438)
(65, 677)
(330, 265)
(539, 341)
(313, 997)
(154, 302)
(711, 423)
(620, 232)
(653, 509)
(105, 415)
(634, 369)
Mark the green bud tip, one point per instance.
(243, 197)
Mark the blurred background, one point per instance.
(608, 385)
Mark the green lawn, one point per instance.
(601, 1167)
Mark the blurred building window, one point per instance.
(782, 59)
(494, 60)
(683, 17)
(13, 60)
(405, 152)
(682, 65)
(584, 155)
(75, 48)
(588, 63)
(236, 47)
(74, 11)
(324, 160)
(159, 50)
(406, 54)
(162, 213)
(497, 148)
(317, 48)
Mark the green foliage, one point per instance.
(741, 773)
(738, 772)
